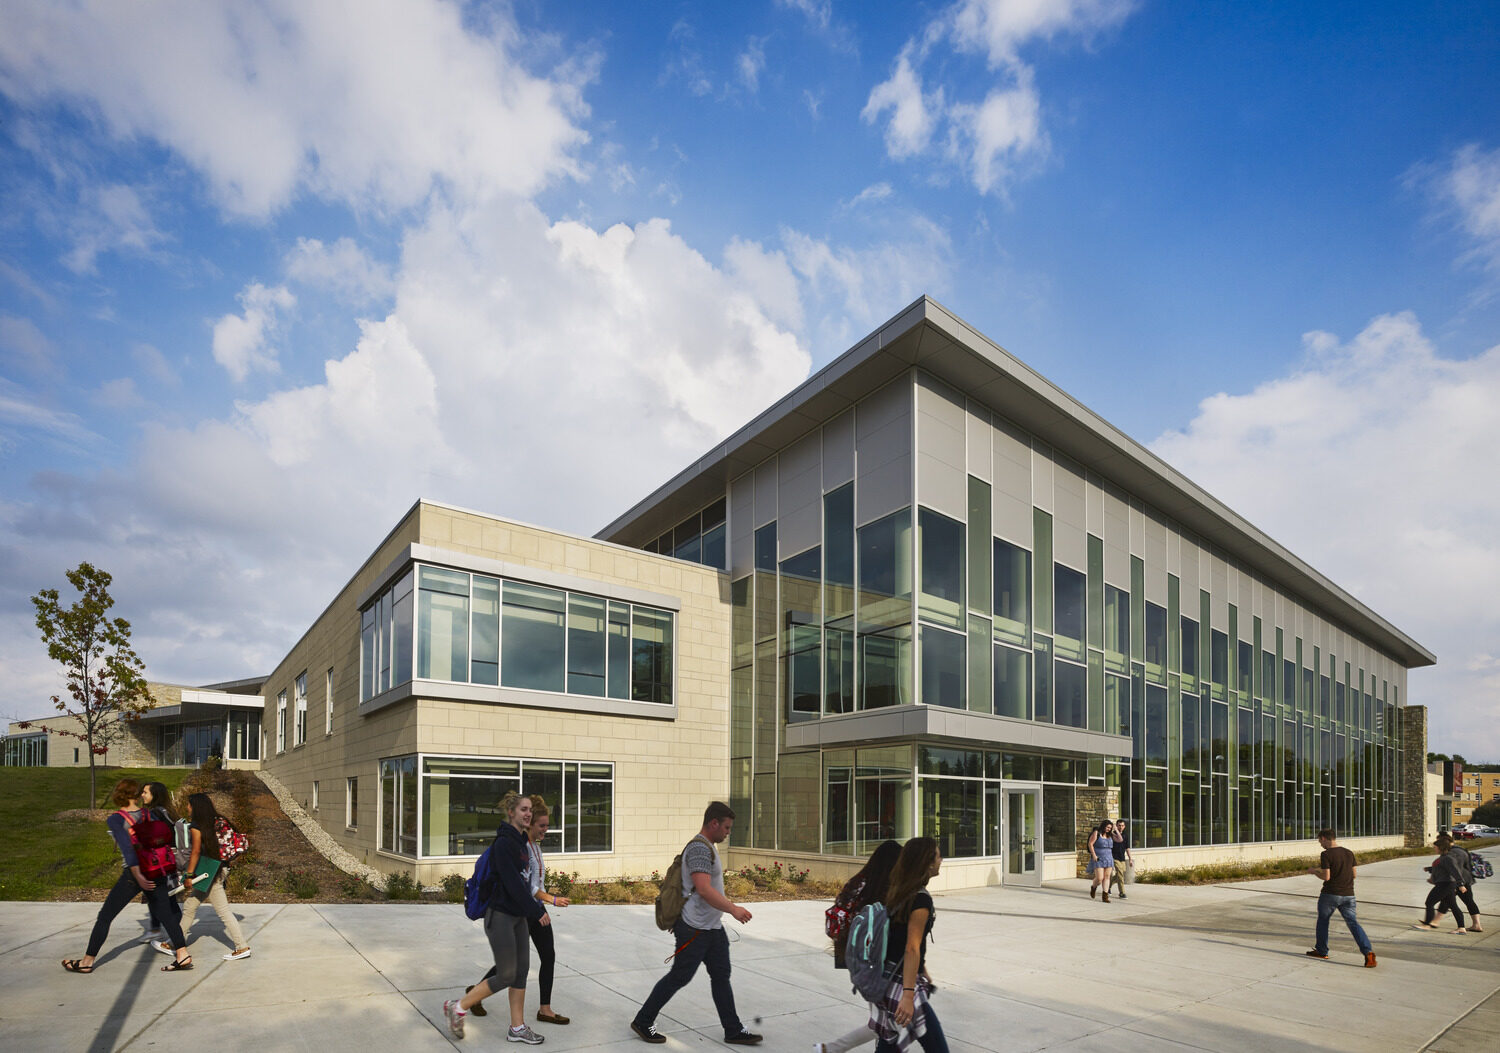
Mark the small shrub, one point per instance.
(561, 883)
(796, 876)
(240, 881)
(615, 892)
(299, 883)
(401, 885)
(737, 885)
(357, 887)
(212, 764)
(453, 888)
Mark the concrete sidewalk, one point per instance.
(1211, 968)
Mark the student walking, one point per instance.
(133, 882)
(700, 935)
(1101, 857)
(1123, 859)
(866, 887)
(204, 856)
(511, 905)
(1445, 879)
(1465, 866)
(907, 999)
(1336, 867)
(540, 928)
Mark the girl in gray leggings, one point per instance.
(511, 904)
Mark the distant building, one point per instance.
(1473, 787)
(184, 727)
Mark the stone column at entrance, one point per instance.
(1413, 775)
(1092, 805)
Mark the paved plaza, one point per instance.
(1211, 968)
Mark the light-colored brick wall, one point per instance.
(666, 771)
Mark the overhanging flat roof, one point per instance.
(927, 336)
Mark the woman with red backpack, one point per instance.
(144, 838)
(864, 888)
(207, 858)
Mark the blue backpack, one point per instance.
(480, 887)
(864, 953)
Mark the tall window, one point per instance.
(281, 722)
(301, 728)
(1012, 598)
(1069, 611)
(398, 805)
(351, 802)
(328, 701)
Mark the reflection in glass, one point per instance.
(532, 638)
(1012, 600)
(1012, 682)
(1069, 598)
(1070, 689)
(940, 540)
(484, 664)
(1116, 629)
(442, 625)
(587, 645)
(942, 665)
(951, 815)
(1156, 643)
(651, 655)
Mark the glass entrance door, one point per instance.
(1022, 812)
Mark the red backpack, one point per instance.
(232, 843)
(153, 840)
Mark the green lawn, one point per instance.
(1214, 873)
(43, 854)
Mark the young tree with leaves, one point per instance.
(105, 686)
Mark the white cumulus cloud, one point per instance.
(989, 139)
(244, 342)
(354, 101)
(913, 114)
(1374, 461)
(342, 268)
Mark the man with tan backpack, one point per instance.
(699, 931)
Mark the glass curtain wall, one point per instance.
(1238, 731)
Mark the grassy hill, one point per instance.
(42, 851)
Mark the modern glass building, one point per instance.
(925, 593)
(965, 606)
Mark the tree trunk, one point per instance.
(93, 785)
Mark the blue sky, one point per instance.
(270, 271)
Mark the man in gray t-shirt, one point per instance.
(700, 933)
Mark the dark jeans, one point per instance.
(708, 947)
(125, 890)
(1327, 904)
(1441, 899)
(932, 1041)
(541, 938)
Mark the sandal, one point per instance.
(477, 1008)
(179, 966)
(73, 965)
